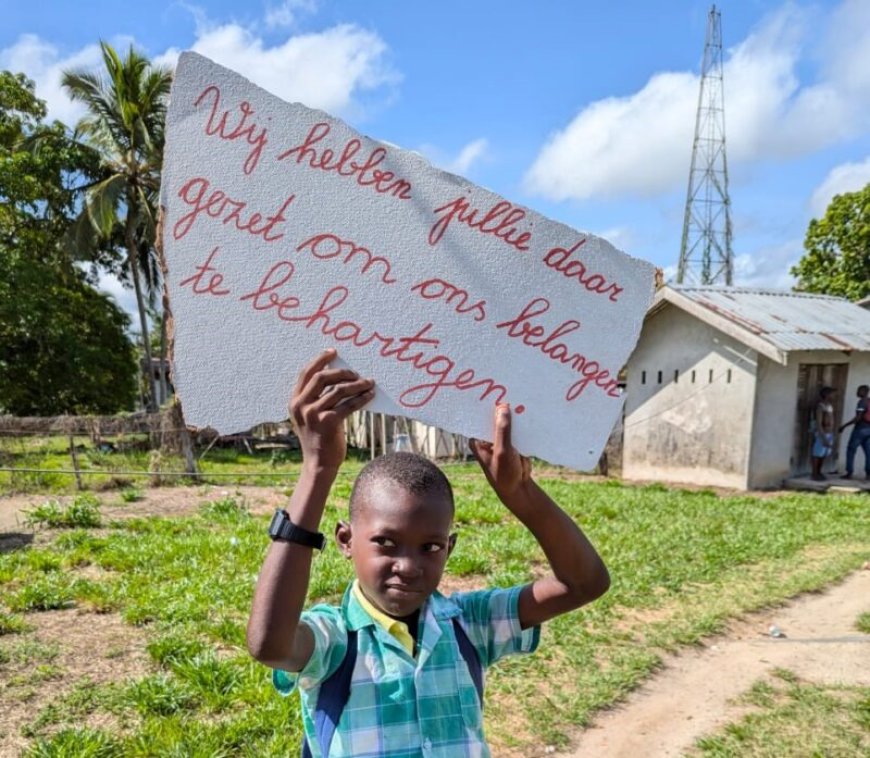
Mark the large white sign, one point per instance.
(287, 232)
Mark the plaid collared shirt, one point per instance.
(399, 706)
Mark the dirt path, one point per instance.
(694, 693)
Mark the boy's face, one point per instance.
(399, 543)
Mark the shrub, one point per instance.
(83, 512)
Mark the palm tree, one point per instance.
(124, 126)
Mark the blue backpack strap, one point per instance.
(331, 699)
(472, 659)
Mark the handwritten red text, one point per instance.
(216, 204)
(365, 172)
(198, 283)
(242, 129)
(415, 349)
(499, 220)
(537, 336)
(559, 259)
(328, 246)
(439, 289)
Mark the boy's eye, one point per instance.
(433, 547)
(383, 541)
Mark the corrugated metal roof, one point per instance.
(787, 320)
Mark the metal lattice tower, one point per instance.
(705, 250)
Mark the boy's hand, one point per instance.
(506, 470)
(322, 399)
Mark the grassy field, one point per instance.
(794, 718)
(682, 562)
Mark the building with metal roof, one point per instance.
(723, 382)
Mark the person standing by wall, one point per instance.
(860, 436)
(823, 431)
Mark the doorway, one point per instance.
(811, 378)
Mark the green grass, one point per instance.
(796, 718)
(682, 563)
(83, 511)
(862, 624)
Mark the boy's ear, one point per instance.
(343, 537)
(451, 543)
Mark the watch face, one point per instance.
(278, 520)
(282, 528)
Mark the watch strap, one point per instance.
(282, 528)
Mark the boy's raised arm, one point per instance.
(579, 575)
(322, 399)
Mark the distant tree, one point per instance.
(837, 258)
(63, 346)
(124, 129)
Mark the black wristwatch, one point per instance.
(282, 528)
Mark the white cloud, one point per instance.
(848, 177)
(620, 237)
(328, 69)
(768, 266)
(42, 62)
(286, 14)
(641, 144)
(324, 70)
(469, 154)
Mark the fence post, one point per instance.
(75, 460)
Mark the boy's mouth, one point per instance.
(402, 589)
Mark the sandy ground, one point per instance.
(694, 692)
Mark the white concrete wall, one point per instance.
(682, 430)
(774, 424)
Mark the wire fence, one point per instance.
(118, 451)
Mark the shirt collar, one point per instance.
(358, 616)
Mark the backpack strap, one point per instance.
(331, 699)
(472, 659)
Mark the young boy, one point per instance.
(413, 687)
(823, 432)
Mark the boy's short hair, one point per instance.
(410, 471)
(825, 391)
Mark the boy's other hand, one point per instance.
(506, 470)
(322, 399)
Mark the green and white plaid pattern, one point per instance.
(399, 706)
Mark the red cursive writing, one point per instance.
(195, 193)
(536, 336)
(439, 289)
(243, 129)
(328, 246)
(559, 259)
(365, 172)
(215, 280)
(417, 349)
(498, 220)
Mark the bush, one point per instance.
(83, 512)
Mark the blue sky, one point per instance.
(581, 111)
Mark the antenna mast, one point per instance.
(705, 250)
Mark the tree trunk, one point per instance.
(164, 384)
(133, 259)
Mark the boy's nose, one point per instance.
(406, 568)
